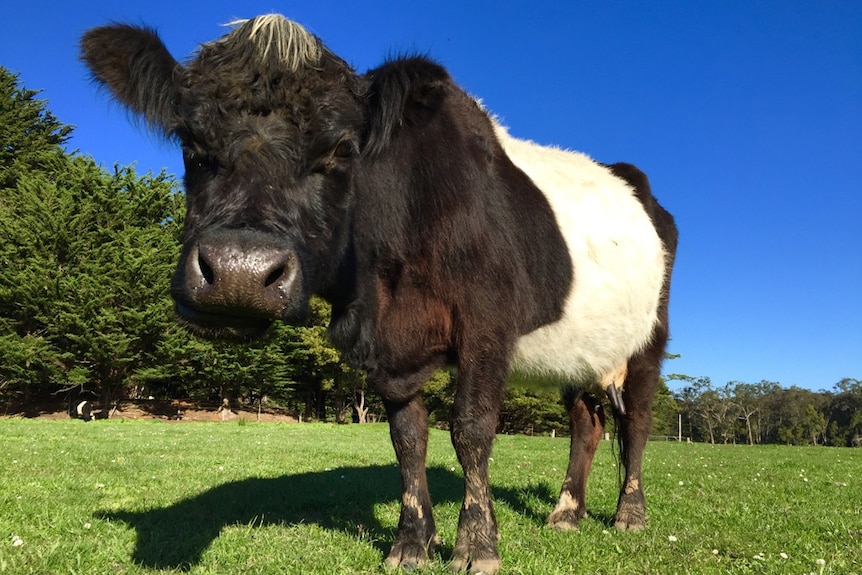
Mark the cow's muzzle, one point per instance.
(236, 283)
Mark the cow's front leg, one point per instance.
(474, 424)
(417, 535)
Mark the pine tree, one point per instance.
(85, 258)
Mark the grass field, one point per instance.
(154, 497)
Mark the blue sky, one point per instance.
(746, 115)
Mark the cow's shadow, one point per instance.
(342, 499)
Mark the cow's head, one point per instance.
(270, 123)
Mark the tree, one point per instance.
(665, 411)
(213, 371)
(439, 394)
(747, 399)
(31, 137)
(321, 375)
(85, 257)
(532, 411)
(844, 409)
(702, 405)
(788, 415)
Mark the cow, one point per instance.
(81, 409)
(437, 237)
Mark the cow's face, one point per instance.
(269, 122)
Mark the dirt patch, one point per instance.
(168, 410)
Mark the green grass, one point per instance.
(153, 497)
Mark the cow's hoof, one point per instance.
(565, 520)
(405, 561)
(410, 556)
(563, 525)
(488, 566)
(630, 518)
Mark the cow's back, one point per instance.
(618, 260)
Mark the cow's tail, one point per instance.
(618, 447)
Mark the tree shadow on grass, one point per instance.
(343, 499)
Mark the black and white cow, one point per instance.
(81, 409)
(437, 237)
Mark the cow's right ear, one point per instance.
(133, 63)
(404, 92)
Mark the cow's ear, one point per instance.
(403, 93)
(133, 63)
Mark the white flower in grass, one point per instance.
(783, 555)
(17, 541)
(672, 538)
(87, 525)
(820, 562)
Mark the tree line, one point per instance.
(766, 412)
(86, 256)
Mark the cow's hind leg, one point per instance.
(634, 430)
(417, 534)
(586, 421)
(474, 423)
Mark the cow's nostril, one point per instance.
(206, 270)
(274, 276)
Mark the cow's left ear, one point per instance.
(405, 92)
(136, 66)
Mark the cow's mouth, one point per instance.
(222, 325)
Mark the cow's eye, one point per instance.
(193, 158)
(344, 149)
(334, 159)
(197, 160)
